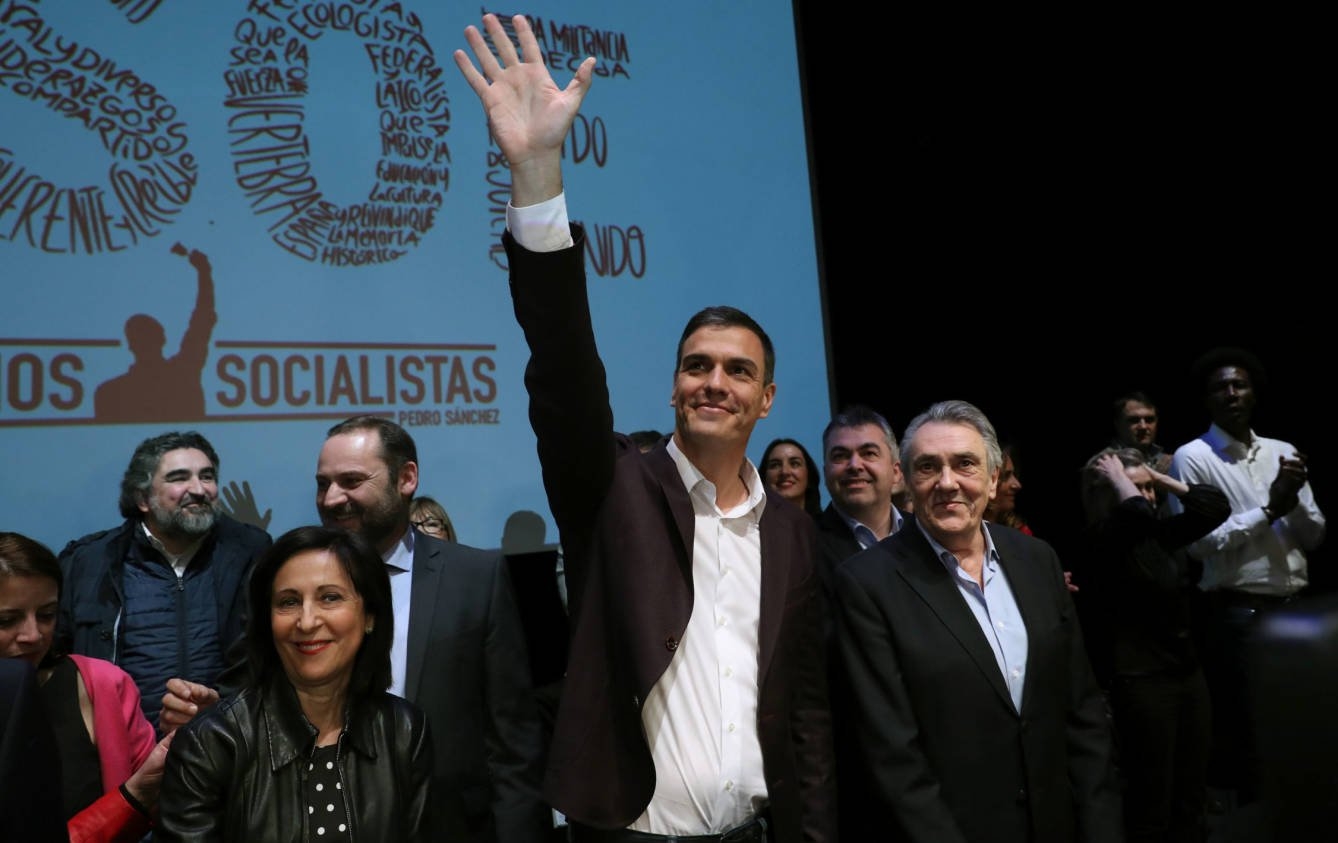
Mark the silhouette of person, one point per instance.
(158, 388)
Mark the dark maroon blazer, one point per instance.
(626, 526)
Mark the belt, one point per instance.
(1251, 599)
(753, 831)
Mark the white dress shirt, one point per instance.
(399, 564)
(701, 716)
(1245, 552)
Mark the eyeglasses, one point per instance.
(429, 524)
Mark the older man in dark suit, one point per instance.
(694, 705)
(980, 717)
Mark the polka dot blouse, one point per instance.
(327, 816)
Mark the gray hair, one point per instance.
(953, 412)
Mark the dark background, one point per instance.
(1036, 215)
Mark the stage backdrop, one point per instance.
(317, 174)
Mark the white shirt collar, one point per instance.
(400, 554)
(178, 561)
(692, 478)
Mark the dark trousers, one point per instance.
(1228, 623)
(1163, 725)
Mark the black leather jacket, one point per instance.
(236, 773)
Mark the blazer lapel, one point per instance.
(427, 574)
(1030, 592)
(679, 501)
(777, 565)
(935, 585)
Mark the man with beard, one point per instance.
(459, 647)
(163, 594)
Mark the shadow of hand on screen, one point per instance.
(239, 503)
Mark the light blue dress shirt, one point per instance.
(995, 610)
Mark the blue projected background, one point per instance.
(328, 163)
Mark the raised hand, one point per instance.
(240, 504)
(1283, 493)
(528, 114)
(200, 261)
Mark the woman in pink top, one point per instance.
(111, 764)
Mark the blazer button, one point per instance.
(1021, 794)
(671, 643)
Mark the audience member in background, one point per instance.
(1256, 560)
(979, 718)
(1158, 695)
(645, 439)
(1135, 422)
(163, 594)
(1003, 508)
(111, 768)
(862, 469)
(788, 468)
(430, 517)
(860, 464)
(313, 748)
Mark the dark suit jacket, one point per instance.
(836, 544)
(468, 669)
(627, 526)
(948, 756)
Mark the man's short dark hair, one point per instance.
(724, 316)
(645, 439)
(1136, 395)
(1216, 358)
(397, 446)
(138, 477)
(858, 415)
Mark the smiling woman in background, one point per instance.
(1003, 508)
(787, 468)
(428, 516)
(314, 748)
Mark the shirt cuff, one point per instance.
(543, 227)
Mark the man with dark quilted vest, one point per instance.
(164, 593)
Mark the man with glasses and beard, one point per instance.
(164, 593)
